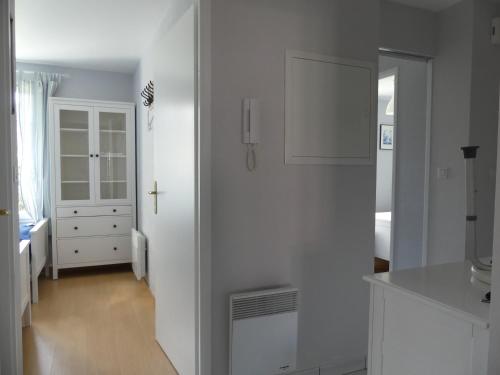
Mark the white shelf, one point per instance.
(74, 156)
(76, 130)
(113, 131)
(74, 182)
(113, 155)
(75, 123)
(113, 181)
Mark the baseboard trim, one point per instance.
(351, 367)
(346, 368)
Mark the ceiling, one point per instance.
(108, 35)
(433, 5)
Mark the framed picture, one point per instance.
(386, 136)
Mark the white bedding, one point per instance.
(383, 235)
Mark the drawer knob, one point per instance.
(75, 228)
(96, 155)
(91, 155)
(114, 225)
(76, 251)
(75, 211)
(115, 248)
(114, 209)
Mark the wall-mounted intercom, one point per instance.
(251, 120)
(251, 129)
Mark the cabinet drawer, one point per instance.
(93, 211)
(94, 226)
(93, 250)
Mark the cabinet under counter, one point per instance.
(427, 320)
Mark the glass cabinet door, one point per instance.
(112, 166)
(75, 170)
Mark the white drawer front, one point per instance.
(93, 211)
(94, 226)
(93, 250)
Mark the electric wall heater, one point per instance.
(263, 332)
(138, 254)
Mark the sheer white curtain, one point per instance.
(33, 91)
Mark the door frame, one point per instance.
(427, 171)
(11, 360)
(203, 94)
(427, 159)
(9, 264)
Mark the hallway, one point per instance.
(93, 322)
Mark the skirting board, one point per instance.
(346, 368)
(357, 367)
(314, 371)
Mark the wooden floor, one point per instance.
(94, 322)
(380, 265)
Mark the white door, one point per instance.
(74, 154)
(113, 147)
(10, 321)
(173, 245)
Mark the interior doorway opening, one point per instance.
(79, 117)
(403, 137)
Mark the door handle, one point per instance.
(4, 212)
(154, 193)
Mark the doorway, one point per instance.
(94, 113)
(403, 129)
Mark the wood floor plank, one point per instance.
(94, 323)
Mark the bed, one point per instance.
(24, 265)
(38, 235)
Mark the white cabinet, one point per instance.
(92, 178)
(93, 152)
(427, 321)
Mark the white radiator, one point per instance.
(263, 332)
(138, 254)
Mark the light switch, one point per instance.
(443, 173)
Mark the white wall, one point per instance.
(485, 79)
(145, 152)
(494, 359)
(450, 124)
(484, 124)
(407, 29)
(465, 111)
(144, 73)
(410, 159)
(384, 162)
(88, 84)
(309, 226)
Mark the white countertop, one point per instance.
(446, 286)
